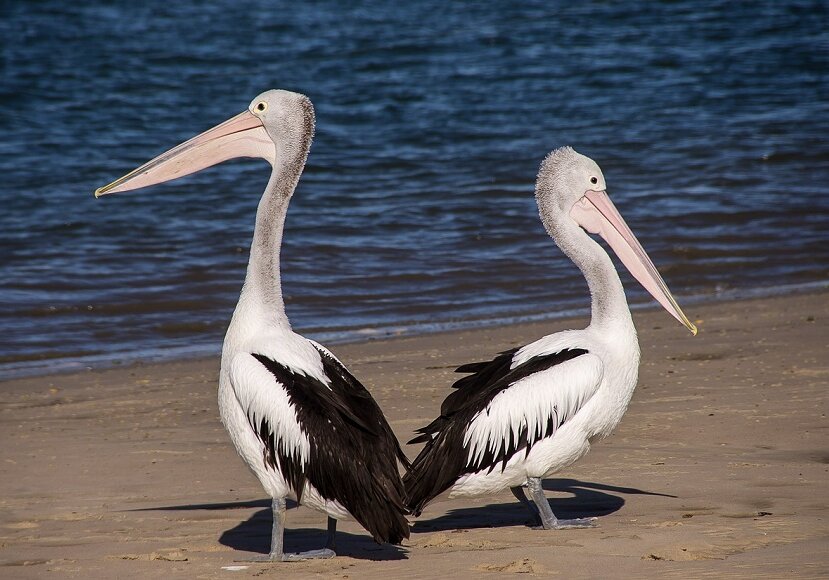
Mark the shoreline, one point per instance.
(719, 466)
(370, 334)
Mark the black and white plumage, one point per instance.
(533, 411)
(337, 425)
(476, 427)
(304, 425)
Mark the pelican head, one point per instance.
(270, 119)
(572, 193)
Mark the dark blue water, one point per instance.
(416, 210)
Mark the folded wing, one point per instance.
(329, 435)
(497, 412)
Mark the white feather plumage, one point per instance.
(559, 392)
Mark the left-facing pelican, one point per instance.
(304, 425)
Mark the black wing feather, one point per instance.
(360, 402)
(352, 447)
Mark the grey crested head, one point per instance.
(288, 118)
(563, 178)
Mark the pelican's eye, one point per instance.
(261, 106)
(594, 180)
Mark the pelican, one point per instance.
(534, 410)
(302, 423)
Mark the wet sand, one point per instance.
(718, 469)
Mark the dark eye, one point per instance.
(261, 106)
(594, 180)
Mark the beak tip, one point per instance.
(101, 191)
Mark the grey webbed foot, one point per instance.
(321, 554)
(574, 524)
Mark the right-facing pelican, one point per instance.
(304, 425)
(533, 411)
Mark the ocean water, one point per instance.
(416, 209)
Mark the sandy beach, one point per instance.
(718, 469)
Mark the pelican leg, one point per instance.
(277, 553)
(548, 520)
(518, 492)
(332, 533)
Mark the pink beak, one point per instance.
(241, 136)
(597, 214)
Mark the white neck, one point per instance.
(608, 304)
(609, 307)
(262, 291)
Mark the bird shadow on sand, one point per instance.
(254, 534)
(586, 499)
(230, 505)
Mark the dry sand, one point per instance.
(718, 469)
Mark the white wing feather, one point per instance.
(550, 344)
(560, 392)
(261, 396)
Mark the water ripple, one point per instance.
(416, 209)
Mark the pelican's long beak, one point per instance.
(241, 136)
(597, 214)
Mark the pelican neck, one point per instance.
(263, 282)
